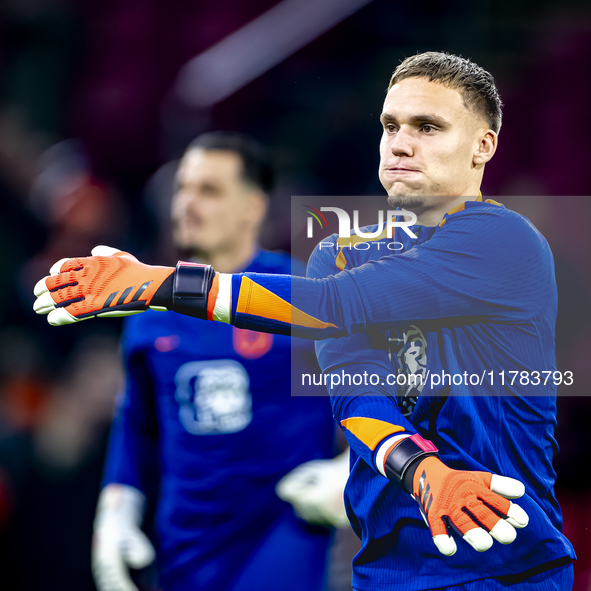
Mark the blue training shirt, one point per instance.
(470, 307)
(208, 410)
(474, 296)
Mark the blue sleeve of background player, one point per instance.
(483, 262)
(132, 456)
(367, 413)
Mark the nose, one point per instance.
(181, 202)
(401, 143)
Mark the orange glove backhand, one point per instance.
(473, 503)
(109, 283)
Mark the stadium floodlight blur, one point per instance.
(255, 48)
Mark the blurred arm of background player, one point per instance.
(132, 473)
(208, 227)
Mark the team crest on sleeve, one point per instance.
(408, 349)
(214, 397)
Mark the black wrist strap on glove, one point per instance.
(190, 290)
(402, 461)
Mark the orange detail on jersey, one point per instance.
(213, 294)
(250, 344)
(457, 208)
(341, 261)
(166, 344)
(370, 431)
(491, 201)
(462, 206)
(256, 300)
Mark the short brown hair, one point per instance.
(475, 84)
(256, 162)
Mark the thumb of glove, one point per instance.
(137, 550)
(104, 251)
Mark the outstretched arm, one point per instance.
(466, 269)
(115, 283)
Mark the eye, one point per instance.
(210, 190)
(428, 128)
(390, 127)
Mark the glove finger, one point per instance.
(138, 551)
(56, 268)
(516, 516)
(109, 571)
(437, 525)
(465, 520)
(479, 539)
(489, 503)
(67, 265)
(44, 303)
(507, 487)
(340, 518)
(483, 511)
(503, 532)
(110, 578)
(41, 286)
(119, 313)
(104, 251)
(296, 481)
(445, 544)
(61, 316)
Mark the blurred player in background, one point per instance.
(209, 422)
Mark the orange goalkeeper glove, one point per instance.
(115, 283)
(475, 504)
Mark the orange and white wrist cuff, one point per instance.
(222, 309)
(400, 458)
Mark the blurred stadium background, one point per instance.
(97, 99)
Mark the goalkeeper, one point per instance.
(473, 291)
(212, 420)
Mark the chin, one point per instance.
(406, 201)
(404, 190)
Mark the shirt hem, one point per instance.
(441, 581)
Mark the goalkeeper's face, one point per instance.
(213, 208)
(433, 146)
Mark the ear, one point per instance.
(258, 204)
(487, 146)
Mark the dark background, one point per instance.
(90, 115)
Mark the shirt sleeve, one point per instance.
(363, 402)
(133, 444)
(489, 263)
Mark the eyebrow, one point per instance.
(417, 119)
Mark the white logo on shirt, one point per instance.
(214, 397)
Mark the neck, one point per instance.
(227, 261)
(432, 215)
